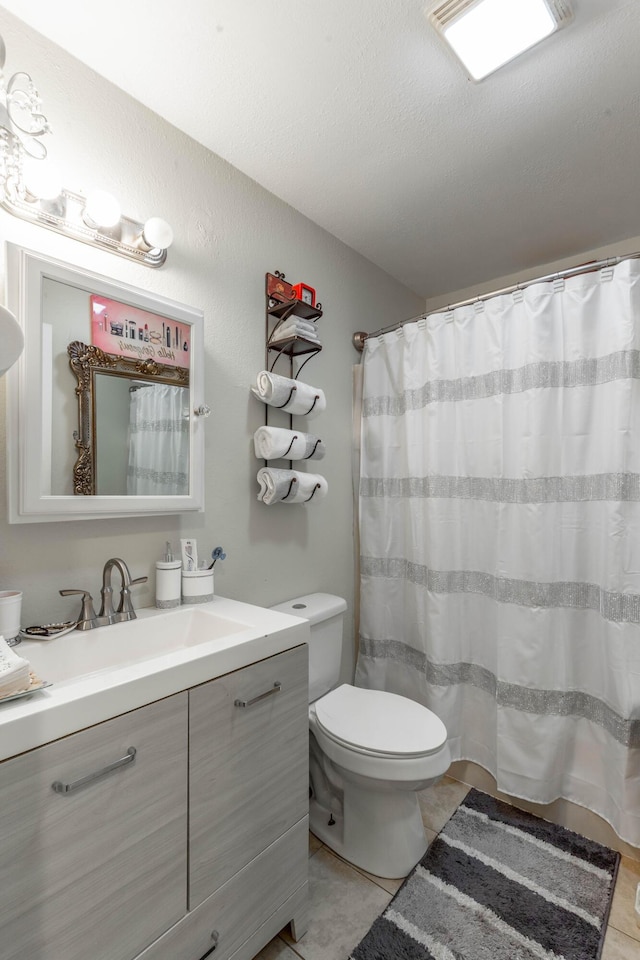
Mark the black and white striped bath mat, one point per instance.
(499, 884)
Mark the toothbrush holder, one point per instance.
(197, 586)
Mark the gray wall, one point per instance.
(620, 249)
(228, 233)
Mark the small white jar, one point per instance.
(10, 612)
(197, 586)
(168, 583)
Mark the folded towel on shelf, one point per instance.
(301, 324)
(273, 443)
(290, 333)
(14, 671)
(290, 486)
(292, 396)
(296, 328)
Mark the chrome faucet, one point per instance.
(88, 619)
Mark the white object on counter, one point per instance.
(168, 583)
(197, 586)
(189, 549)
(14, 671)
(10, 612)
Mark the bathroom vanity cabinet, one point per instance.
(194, 846)
(247, 776)
(101, 869)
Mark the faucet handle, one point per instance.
(125, 610)
(87, 617)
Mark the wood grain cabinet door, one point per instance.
(248, 767)
(95, 867)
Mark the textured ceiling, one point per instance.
(355, 113)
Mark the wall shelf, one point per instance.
(278, 310)
(293, 346)
(285, 308)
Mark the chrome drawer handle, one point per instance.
(61, 787)
(269, 693)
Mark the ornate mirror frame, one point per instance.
(29, 487)
(86, 360)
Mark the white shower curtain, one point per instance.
(500, 534)
(158, 440)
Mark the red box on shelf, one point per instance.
(304, 293)
(279, 289)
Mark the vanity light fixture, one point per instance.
(486, 34)
(33, 192)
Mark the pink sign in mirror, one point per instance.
(127, 331)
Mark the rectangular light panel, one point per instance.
(486, 34)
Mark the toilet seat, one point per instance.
(376, 723)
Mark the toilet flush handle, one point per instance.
(268, 693)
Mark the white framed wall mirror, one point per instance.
(105, 407)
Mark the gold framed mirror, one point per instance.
(90, 364)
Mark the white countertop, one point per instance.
(123, 682)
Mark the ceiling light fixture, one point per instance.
(33, 192)
(486, 34)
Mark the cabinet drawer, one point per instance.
(234, 914)
(248, 767)
(99, 870)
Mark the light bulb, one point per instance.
(42, 179)
(101, 209)
(157, 233)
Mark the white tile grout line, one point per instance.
(293, 950)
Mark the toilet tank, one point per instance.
(325, 613)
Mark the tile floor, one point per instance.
(345, 901)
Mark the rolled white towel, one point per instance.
(14, 671)
(273, 443)
(292, 396)
(290, 486)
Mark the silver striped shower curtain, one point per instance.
(499, 521)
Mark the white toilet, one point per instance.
(369, 753)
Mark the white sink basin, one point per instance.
(98, 674)
(84, 652)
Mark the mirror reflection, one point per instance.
(120, 427)
(133, 425)
(142, 438)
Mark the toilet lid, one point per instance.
(380, 723)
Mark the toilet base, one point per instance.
(380, 831)
(327, 826)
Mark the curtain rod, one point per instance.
(359, 338)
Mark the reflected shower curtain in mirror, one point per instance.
(158, 440)
(500, 534)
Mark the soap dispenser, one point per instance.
(168, 580)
